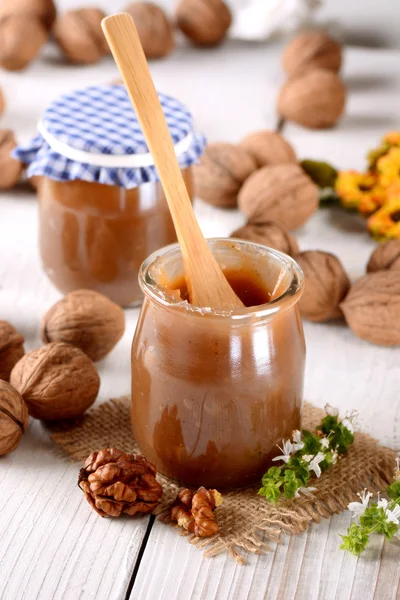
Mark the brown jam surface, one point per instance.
(247, 285)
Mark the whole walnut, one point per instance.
(372, 308)
(385, 257)
(204, 22)
(325, 285)
(117, 483)
(314, 99)
(312, 50)
(268, 148)
(280, 193)
(155, 31)
(10, 168)
(87, 320)
(41, 10)
(268, 234)
(21, 38)
(80, 37)
(57, 381)
(220, 173)
(13, 418)
(11, 349)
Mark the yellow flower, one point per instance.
(388, 167)
(392, 138)
(359, 191)
(385, 223)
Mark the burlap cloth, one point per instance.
(247, 521)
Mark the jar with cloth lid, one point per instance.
(102, 210)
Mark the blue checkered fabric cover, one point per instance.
(101, 120)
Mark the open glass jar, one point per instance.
(213, 392)
(102, 210)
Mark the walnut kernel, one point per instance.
(117, 483)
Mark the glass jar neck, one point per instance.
(276, 270)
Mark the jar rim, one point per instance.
(288, 298)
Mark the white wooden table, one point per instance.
(52, 545)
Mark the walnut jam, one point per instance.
(95, 236)
(213, 392)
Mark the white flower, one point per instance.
(314, 462)
(286, 451)
(349, 420)
(307, 491)
(297, 443)
(391, 515)
(325, 442)
(358, 508)
(334, 457)
(331, 410)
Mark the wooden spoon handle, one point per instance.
(206, 283)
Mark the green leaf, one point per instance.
(322, 173)
(328, 197)
(312, 443)
(290, 487)
(271, 492)
(393, 491)
(290, 475)
(375, 518)
(356, 540)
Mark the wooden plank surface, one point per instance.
(51, 544)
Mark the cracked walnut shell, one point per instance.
(385, 257)
(204, 22)
(87, 320)
(13, 418)
(10, 168)
(280, 193)
(11, 349)
(221, 172)
(155, 31)
(268, 148)
(57, 381)
(314, 99)
(312, 50)
(268, 234)
(372, 308)
(195, 511)
(117, 483)
(80, 37)
(325, 285)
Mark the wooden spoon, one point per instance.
(205, 280)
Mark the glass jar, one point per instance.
(214, 392)
(97, 236)
(102, 208)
